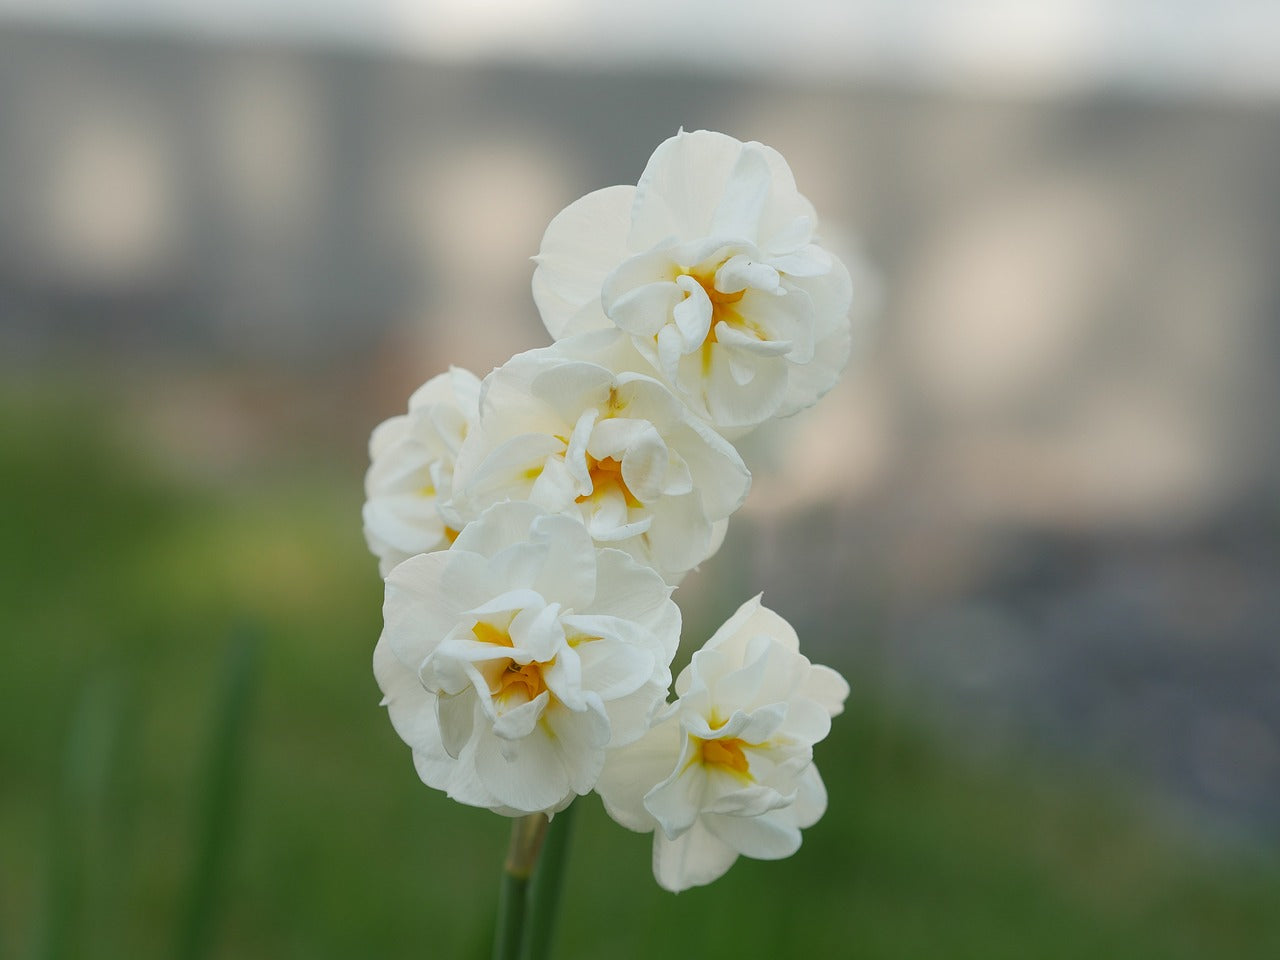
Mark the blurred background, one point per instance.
(1036, 524)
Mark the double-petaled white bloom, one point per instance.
(411, 471)
(727, 769)
(617, 450)
(530, 527)
(709, 265)
(510, 662)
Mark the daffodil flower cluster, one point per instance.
(532, 526)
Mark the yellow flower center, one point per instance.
(723, 308)
(528, 676)
(721, 303)
(726, 753)
(506, 676)
(607, 474)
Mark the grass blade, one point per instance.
(216, 821)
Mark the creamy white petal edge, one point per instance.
(564, 428)
(511, 662)
(727, 769)
(410, 476)
(710, 265)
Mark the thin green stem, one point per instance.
(522, 855)
(548, 881)
(216, 824)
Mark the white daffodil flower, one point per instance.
(709, 264)
(511, 661)
(410, 476)
(727, 769)
(616, 450)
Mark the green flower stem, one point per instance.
(522, 855)
(544, 895)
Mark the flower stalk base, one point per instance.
(527, 834)
(532, 877)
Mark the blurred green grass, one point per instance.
(121, 586)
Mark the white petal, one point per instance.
(497, 528)
(519, 722)
(826, 687)
(582, 245)
(508, 406)
(581, 737)
(708, 664)
(563, 677)
(786, 319)
(728, 640)
(681, 187)
(790, 237)
(569, 386)
(555, 487)
(765, 722)
(631, 716)
(644, 466)
(752, 800)
(387, 434)
(786, 205)
(680, 535)
(613, 669)
(456, 717)
(607, 521)
(738, 689)
(537, 633)
(692, 314)
(613, 436)
(742, 202)
(719, 530)
(412, 709)
(575, 455)
(568, 576)
(807, 721)
(670, 348)
(676, 802)
(740, 272)
(811, 261)
(393, 538)
(508, 601)
(693, 859)
(633, 770)
(811, 799)
(749, 620)
(831, 295)
(611, 349)
(642, 311)
(418, 612)
(646, 398)
(517, 568)
(716, 467)
(742, 366)
(503, 472)
(527, 775)
(744, 345)
(738, 405)
(763, 838)
(466, 392)
(639, 294)
(456, 777)
(631, 592)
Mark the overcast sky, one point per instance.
(1010, 46)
